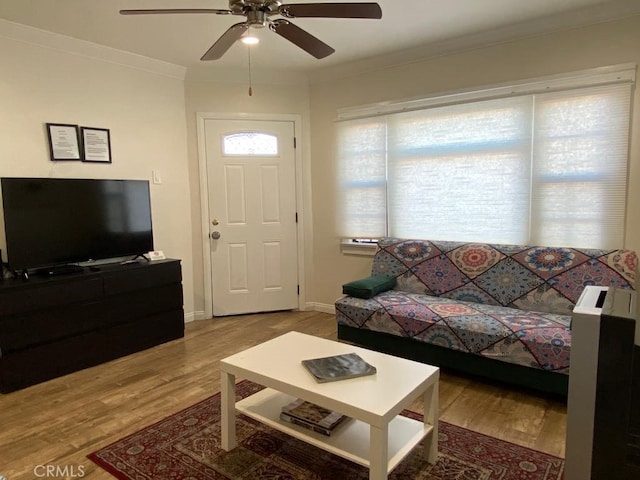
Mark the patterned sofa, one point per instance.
(500, 311)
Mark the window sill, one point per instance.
(349, 247)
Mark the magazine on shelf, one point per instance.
(308, 425)
(312, 416)
(338, 367)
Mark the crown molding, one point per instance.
(594, 14)
(55, 41)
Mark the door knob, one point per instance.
(215, 235)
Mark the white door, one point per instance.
(252, 210)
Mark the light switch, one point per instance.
(157, 179)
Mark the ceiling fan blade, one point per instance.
(331, 10)
(224, 43)
(301, 38)
(175, 10)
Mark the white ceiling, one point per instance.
(408, 27)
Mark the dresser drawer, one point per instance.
(43, 295)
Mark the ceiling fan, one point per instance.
(258, 14)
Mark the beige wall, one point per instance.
(595, 46)
(222, 98)
(152, 117)
(144, 112)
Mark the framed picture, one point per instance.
(64, 141)
(96, 145)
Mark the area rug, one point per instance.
(187, 446)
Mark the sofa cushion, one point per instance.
(533, 339)
(369, 287)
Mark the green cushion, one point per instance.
(369, 287)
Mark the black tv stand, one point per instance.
(51, 326)
(59, 270)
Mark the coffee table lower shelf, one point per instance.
(350, 440)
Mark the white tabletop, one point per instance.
(374, 398)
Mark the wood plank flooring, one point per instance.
(60, 421)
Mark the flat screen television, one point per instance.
(57, 221)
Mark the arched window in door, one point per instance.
(250, 143)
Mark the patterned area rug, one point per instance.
(186, 446)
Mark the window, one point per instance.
(362, 175)
(250, 143)
(538, 168)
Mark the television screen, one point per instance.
(54, 221)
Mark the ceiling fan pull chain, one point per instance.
(250, 90)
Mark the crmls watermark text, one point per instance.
(58, 471)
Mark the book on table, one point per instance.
(338, 367)
(311, 416)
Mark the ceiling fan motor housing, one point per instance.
(241, 7)
(256, 11)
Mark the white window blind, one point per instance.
(547, 169)
(580, 158)
(362, 175)
(461, 172)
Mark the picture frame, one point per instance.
(96, 145)
(64, 142)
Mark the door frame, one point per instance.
(303, 184)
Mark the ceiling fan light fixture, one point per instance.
(249, 39)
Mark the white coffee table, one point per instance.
(377, 437)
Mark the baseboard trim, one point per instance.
(309, 306)
(190, 317)
(321, 307)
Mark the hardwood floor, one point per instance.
(59, 422)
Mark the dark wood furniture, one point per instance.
(51, 326)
